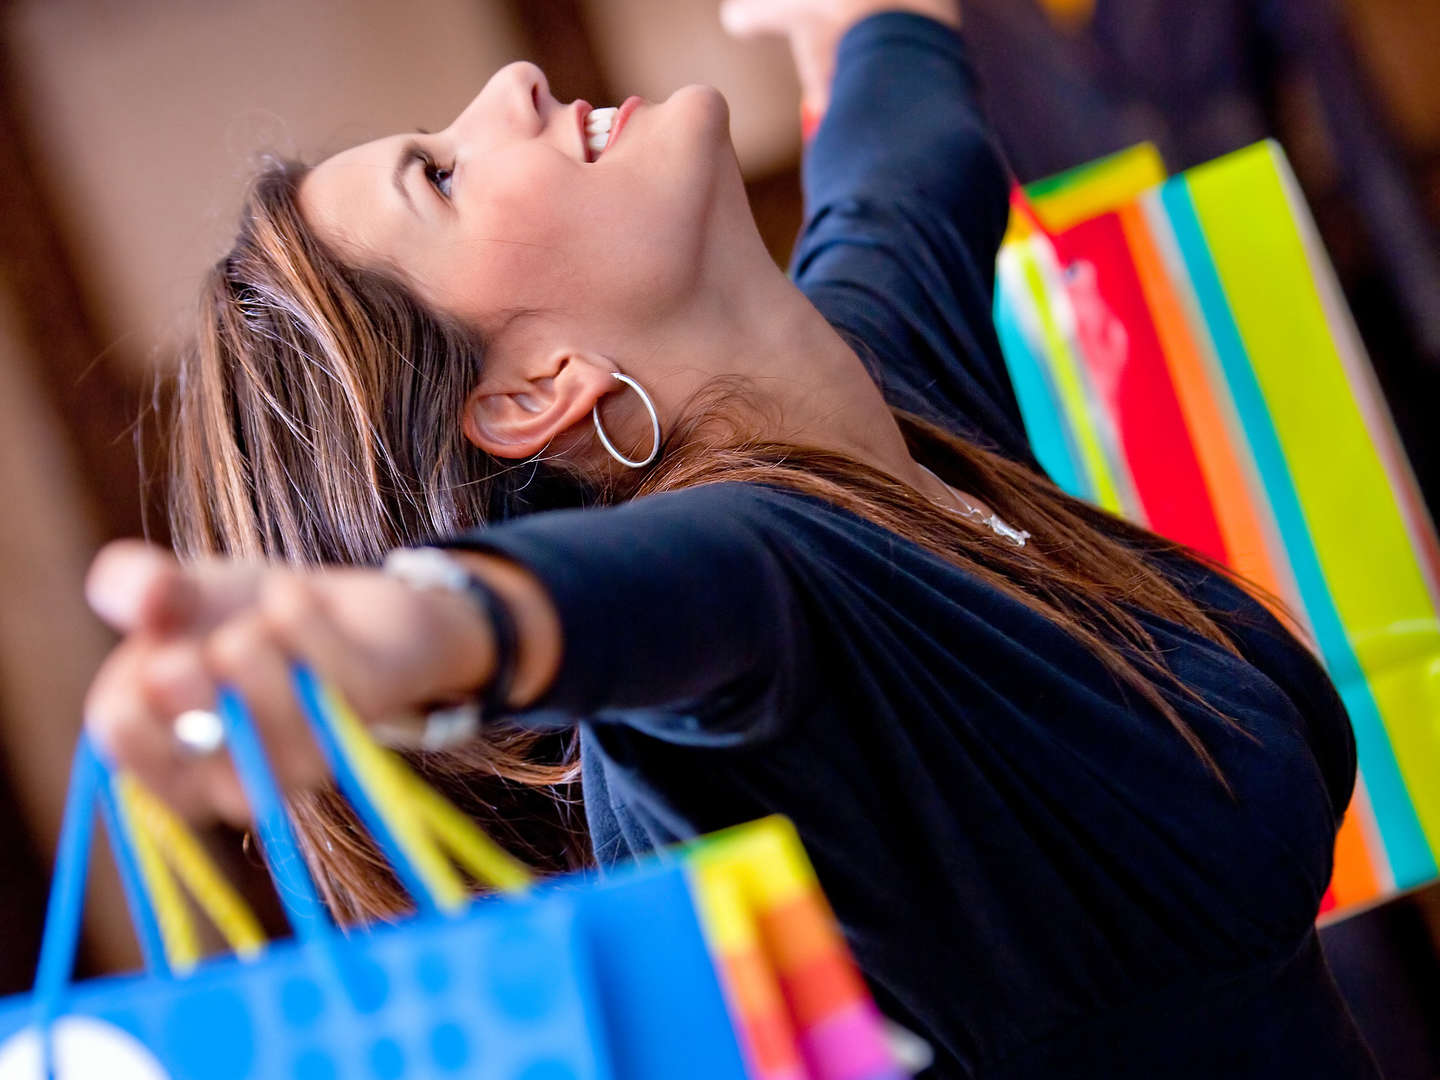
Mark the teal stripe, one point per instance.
(1411, 860)
(1039, 405)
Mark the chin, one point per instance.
(695, 195)
(706, 112)
(701, 126)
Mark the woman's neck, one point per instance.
(814, 389)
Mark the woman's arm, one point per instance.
(684, 603)
(906, 202)
(676, 609)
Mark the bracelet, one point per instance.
(435, 568)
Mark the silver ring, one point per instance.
(199, 731)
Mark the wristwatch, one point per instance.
(436, 568)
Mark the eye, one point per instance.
(438, 176)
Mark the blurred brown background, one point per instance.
(127, 130)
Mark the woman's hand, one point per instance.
(389, 648)
(814, 29)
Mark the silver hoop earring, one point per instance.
(654, 426)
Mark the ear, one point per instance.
(517, 415)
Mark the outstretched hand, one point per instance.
(389, 648)
(814, 29)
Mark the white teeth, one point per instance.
(597, 128)
(598, 120)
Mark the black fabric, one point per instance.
(1035, 872)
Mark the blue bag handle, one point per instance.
(91, 788)
(67, 896)
(137, 898)
(298, 895)
(309, 692)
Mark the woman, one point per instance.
(1071, 791)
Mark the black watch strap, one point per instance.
(495, 697)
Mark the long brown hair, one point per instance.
(316, 420)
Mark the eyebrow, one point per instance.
(408, 153)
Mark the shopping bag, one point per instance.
(799, 1003)
(1183, 356)
(573, 978)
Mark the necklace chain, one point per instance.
(998, 525)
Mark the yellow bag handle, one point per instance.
(426, 833)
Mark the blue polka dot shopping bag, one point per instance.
(572, 980)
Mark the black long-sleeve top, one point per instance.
(1034, 871)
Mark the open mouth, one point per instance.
(602, 126)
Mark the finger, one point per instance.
(133, 734)
(173, 680)
(749, 18)
(136, 586)
(245, 656)
(295, 611)
(386, 646)
(124, 580)
(212, 591)
(745, 19)
(174, 677)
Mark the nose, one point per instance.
(518, 94)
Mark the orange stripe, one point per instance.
(771, 1042)
(758, 1007)
(1224, 475)
(824, 986)
(797, 932)
(1354, 877)
(1354, 880)
(752, 984)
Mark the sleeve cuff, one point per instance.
(562, 702)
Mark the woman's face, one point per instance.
(506, 211)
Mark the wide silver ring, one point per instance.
(199, 731)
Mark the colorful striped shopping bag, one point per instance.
(1182, 355)
(565, 980)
